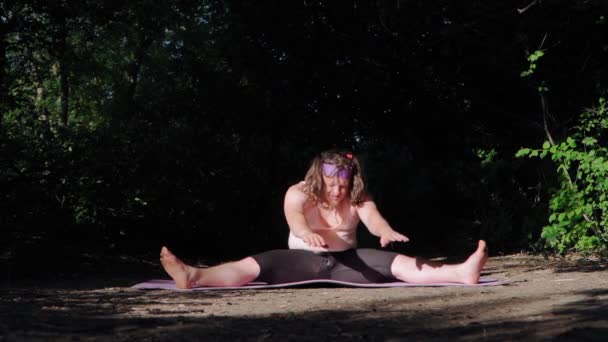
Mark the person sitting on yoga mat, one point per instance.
(323, 213)
(324, 210)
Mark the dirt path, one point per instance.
(547, 299)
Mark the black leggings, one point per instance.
(363, 265)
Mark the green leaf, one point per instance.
(536, 55)
(522, 152)
(589, 141)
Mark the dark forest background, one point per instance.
(129, 125)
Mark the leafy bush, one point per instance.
(579, 208)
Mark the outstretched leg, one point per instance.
(420, 271)
(234, 273)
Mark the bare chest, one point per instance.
(344, 218)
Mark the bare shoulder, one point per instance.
(296, 194)
(366, 207)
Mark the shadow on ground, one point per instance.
(130, 315)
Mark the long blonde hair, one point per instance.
(340, 158)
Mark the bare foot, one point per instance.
(472, 267)
(179, 271)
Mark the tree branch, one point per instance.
(545, 110)
(522, 10)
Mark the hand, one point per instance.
(392, 236)
(314, 240)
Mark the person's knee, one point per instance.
(397, 267)
(249, 265)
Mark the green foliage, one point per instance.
(179, 110)
(579, 207)
(533, 59)
(487, 157)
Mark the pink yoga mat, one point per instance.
(170, 284)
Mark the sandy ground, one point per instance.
(547, 299)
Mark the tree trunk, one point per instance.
(134, 68)
(65, 91)
(3, 78)
(63, 73)
(3, 81)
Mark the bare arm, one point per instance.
(295, 199)
(377, 225)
